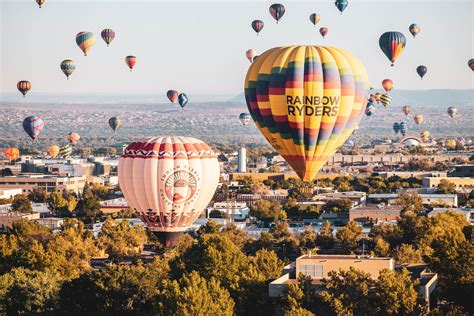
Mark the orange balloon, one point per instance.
(11, 153)
(387, 84)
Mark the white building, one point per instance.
(242, 160)
(7, 193)
(237, 210)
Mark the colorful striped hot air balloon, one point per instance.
(452, 111)
(245, 119)
(251, 53)
(11, 153)
(172, 95)
(425, 136)
(406, 109)
(53, 151)
(114, 123)
(168, 181)
(470, 63)
(23, 86)
(131, 61)
(306, 101)
(387, 84)
(370, 109)
(40, 2)
(385, 99)
(414, 29)
(107, 35)
(403, 128)
(65, 151)
(68, 66)
(277, 11)
(73, 138)
(314, 18)
(392, 45)
(257, 26)
(33, 126)
(377, 96)
(85, 40)
(323, 31)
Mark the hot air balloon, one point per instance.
(396, 127)
(406, 109)
(452, 111)
(323, 31)
(182, 100)
(314, 18)
(451, 144)
(65, 151)
(257, 26)
(277, 10)
(372, 98)
(68, 66)
(172, 95)
(53, 150)
(385, 99)
(403, 128)
(418, 119)
(130, 61)
(414, 29)
(470, 63)
(40, 2)
(341, 5)
(107, 35)
(387, 84)
(33, 126)
(370, 109)
(251, 53)
(377, 96)
(392, 45)
(23, 86)
(11, 153)
(421, 70)
(114, 122)
(73, 138)
(168, 181)
(244, 118)
(301, 105)
(85, 40)
(425, 135)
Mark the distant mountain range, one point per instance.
(425, 98)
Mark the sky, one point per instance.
(199, 47)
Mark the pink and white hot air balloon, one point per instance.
(168, 181)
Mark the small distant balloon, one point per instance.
(418, 119)
(387, 84)
(182, 100)
(130, 61)
(53, 151)
(471, 63)
(396, 127)
(452, 111)
(372, 98)
(323, 31)
(73, 138)
(341, 5)
(377, 96)
(172, 95)
(107, 35)
(425, 135)
(370, 109)
(245, 118)
(65, 151)
(385, 99)
(23, 86)
(314, 18)
(33, 126)
(277, 10)
(414, 29)
(85, 40)
(403, 128)
(251, 53)
(114, 123)
(40, 2)
(11, 153)
(392, 45)
(257, 26)
(421, 70)
(68, 66)
(406, 109)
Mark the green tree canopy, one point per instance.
(21, 204)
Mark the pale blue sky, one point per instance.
(199, 47)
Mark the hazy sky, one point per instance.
(199, 47)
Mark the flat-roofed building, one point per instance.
(459, 182)
(375, 213)
(412, 174)
(9, 193)
(462, 171)
(28, 182)
(7, 218)
(428, 199)
(356, 197)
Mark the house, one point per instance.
(375, 213)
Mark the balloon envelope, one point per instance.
(168, 181)
(245, 118)
(323, 31)
(470, 63)
(114, 122)
(33, 126)
(130, 61)
(68, 66)
(107, 35)
(418, 119)
(341, 5)
(11, 153)
(452, 111)
(172, 95)
(257, 26)
(414, 29)
(406, 109)
(53, 150)
(421, 70)
(302, 104)
(314, 18)
(85, 40)
(182, 100)
(385, 99)
(392, 45)
(277, 10)
(251, 53)
(40, 2)
(73, 138)
(387, 84)
(23, 86)
(65, 151)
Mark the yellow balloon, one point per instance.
(306, 101)
(53, 151)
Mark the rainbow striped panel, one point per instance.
(107, 35)
(33, 125)
(306, 101)
(392, 44)
(85, 40)
(23, 86)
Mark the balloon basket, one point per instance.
(168, 239)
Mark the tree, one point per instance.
(411, 202)
(211, 227)
(280, 231)
(194, 295)
(406, 254)
(325, 238)
(99, 191)
(381, 247)
(71, 203)
(7, 172)
(265, 210)
(396, 293)
(349, 236)
(57, 202)
(340, 205)
(238, 236)
(308, 238)
(446, 187)
(21, 204)
(347, 292)
(38, 195)
(89, 206)
(120, 240)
